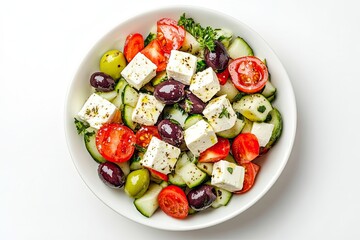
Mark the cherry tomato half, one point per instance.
(251, 170)
(115, 142)
(134, 43)
(156, 55)
(245, 148)
(144, 135)
(158, 175)
(249, 74)
(170, 35)
(172, 201)
(223, 76)
(217, 152)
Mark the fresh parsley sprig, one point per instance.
(224, 113)
(205, 36)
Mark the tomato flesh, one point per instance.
(156, 55)
(115, 142)
(223, 76)
(170, 35)
(173, 202)
(251, 170)
(249, 74)
(217, 152)
(144, 135)
(158, 175)
(134, 43)
(245, 148)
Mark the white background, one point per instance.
(41, 194)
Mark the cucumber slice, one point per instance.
(175, 179)
(224, 36)
(230, 158)
(125, 167)
(223, 197)
(108, 95)
(254, 107)
(271, 98)
(274, 118)
(130, 96)
(247, 127)
(176, 113)
(90, 144)
(119, 88)
(229, 90)
(192, 119)
(126, 114)
(191, 174)
(159, 78)
(190, 45)
(239, 48)
(234, 131)
(148, 203)
(206, 167)
(135, 161)
(269, 90)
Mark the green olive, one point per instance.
(137, 182)
(112, 63)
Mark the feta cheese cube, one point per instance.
(205, 84)
(181, 66)
(220, 114)
(228, 176)
(263, 132)
(139, 71)
(97, 111)
(147, 109)
(199, 137)
(160, 156)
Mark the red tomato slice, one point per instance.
(249, 74)
(223, 76)
(158, 175)
(245, 148)
(156, 55)
(217, 152)
(115, 142)
(251, 170)
(134, 43)
(172, 201)
(170, 35)
(144, 135)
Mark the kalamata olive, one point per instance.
(171, 132)
(102, 82)
(202, 197)
(218, 58)
(170, 91)
(111, 174)
(192, 104)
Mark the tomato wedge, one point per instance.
(115, 142)
(172, 201)
(134, 43)
(170, 35)
(223, 76)
(156, 55)
(249, 74)
(245, 148)
(158, 175)
(144, 135)
(217, 152)
(251, 170)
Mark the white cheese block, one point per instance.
(181, 66)
(228, 176)
(97, 111)
(139, 71)
(160, 156)
(220, 114)
(199, 137)
(205, 84)
(263, 132)
(147, 110)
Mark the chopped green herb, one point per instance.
(81, 126)
(224, 113)
(261, 108)
(205, 36)
(200, 65)
(188, 105)
(238, 96)
(230, 170)
(140, 148)
(239, 116)
(149, 38)
(87, 135)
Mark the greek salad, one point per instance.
(178, 118)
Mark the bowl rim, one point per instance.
(208, 11)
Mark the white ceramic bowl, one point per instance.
(276, 159)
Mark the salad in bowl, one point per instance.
(178, 120)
